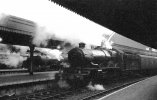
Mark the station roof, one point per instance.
(16, 31)
(19, 31)
(135, 19)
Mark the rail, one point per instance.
(43, 95)
(105, 92)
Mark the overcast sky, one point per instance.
(55, 19)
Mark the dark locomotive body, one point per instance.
(42, 64)
(101, 63)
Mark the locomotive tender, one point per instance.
(102, 63)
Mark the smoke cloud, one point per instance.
(51, 54)
(42, 36)
(14, 60)
(95, 87)
(12, 55)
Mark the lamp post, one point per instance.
(31, 58)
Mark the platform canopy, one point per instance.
(19, 31)
(16, 31)
(135, 19)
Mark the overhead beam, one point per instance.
(16, 31)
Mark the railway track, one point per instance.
(43, 95)
(75, 94)
(108, 91)
(93, 95)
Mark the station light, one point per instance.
(1, 39)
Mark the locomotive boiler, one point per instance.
(101, 63)
(97, 58)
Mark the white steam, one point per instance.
(12, 57)
(42, 36)
(51, 54)
(14, 60)
(106, 43)
(95, 87)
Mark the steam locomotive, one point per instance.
(41, 63)
(102, 63)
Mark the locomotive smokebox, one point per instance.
(76, 57)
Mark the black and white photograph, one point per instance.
(78, 50)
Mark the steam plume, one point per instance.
(14, 60)
(51, 54)
(42, 36)
(11, 55)
(95, 87)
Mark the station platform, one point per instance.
(21, 78)
(143, 90)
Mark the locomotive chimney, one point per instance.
(82, 45)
